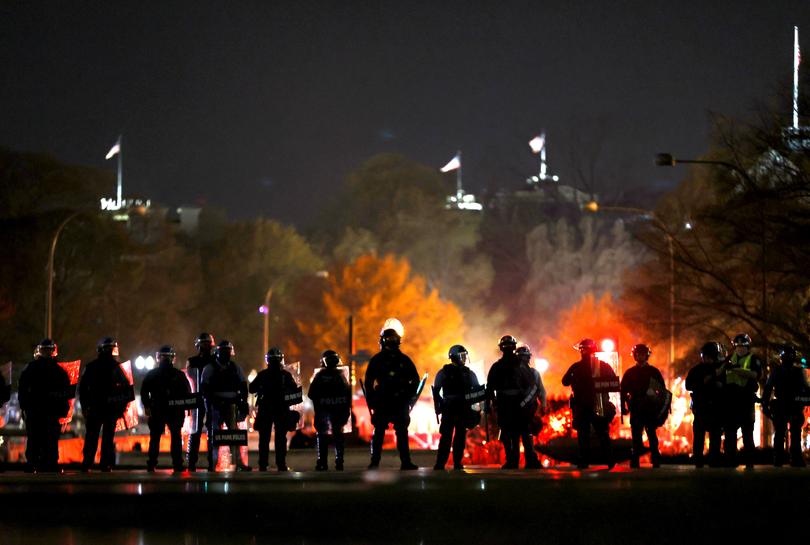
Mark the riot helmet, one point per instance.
(787, 355)
(524, 354)
(165, 353)
(742, 344)
(46, 349)
(330, 359)
(711, 352)
(742, 339)
(641, 353)
(507, 344)
(458, 354)
(108, 346)
(390, 339)
(274, 357)
(204, 343)
(225, 351)
(587, 347)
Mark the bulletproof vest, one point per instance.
(393, 380)
(199, 361)
(45, 387)
(456, 381)
(510, 381)
(330, 389)
(272, 382)
(225, 379)
(168, 384)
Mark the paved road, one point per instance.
(674, 504)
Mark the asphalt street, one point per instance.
(673, 504)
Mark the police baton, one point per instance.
(368, 405)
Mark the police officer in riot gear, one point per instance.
(44, 394)
(742, 372)
(451, 389)
(225, 391)
(705, 381)
(590, 404)
(160, 388)
(330, 393)
(391, 383)
(271, 385)
(508, 385)
(642, 391)
(535, 399)
(104, 392)
(788, 383)
(194, 366)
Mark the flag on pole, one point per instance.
(115, 150)
(454, 164)
(538, 143)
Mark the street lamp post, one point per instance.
(266, 311)
(667, 160)
(593, 206)
(49, 293)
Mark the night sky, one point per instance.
(263, 107)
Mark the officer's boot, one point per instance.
(404, 451)
(442, 453)
(340, 448)
(322, 446)
(193, 450)
(376, 447)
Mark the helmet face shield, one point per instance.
(225, 351)
(524, 353)
(330, 359)
(742, 340)
(641, 352)
(274, 356)
(204, 342)
(711, 352)
(46, 349)
(166, 352)
(507, 344)
(108, 345)
(587, 347)
(390, 339)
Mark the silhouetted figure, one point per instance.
(104, 392)
(44, 395)
(331, 396)
(225, 391)
(195, 365)
(271, 386)
(643, 394)
(788, 384)
(451, 396)
(391, 383)
(160, 388)
(590, 380)
(705, 381)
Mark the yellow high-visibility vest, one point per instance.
(745, 363)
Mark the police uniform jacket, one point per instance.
(270, 387)
(453, 383)
(105, 388)
(391, 380)
(45, 389)
(162, 385)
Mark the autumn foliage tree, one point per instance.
(372, 289)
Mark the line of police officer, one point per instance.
(724, 393)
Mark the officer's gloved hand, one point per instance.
(147, 411)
